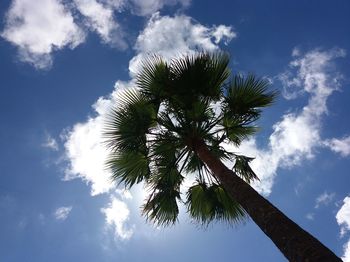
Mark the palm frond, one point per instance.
(128, 167)
(161, 207)
(153, 80)
(164, 181)
(199, 76)
(128, 123)
(219, 71)
(243, 169)
(242, 105)
(194, 163)
(208, 203)
(245, 96)
(235, 131)
(167, 156)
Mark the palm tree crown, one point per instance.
(152, 134)
(175, 122)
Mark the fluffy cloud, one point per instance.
(100, 18)
(86, 154)
(343, 216)
(297, 135)
(116, 215)
(39, 27)
(84, 146)
(62, 213)
(341, 146)
(324, 199)
(174, 36)
(223, 33)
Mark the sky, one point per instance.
(63, 63)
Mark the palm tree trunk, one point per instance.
(295, 243)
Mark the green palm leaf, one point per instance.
(243, 169)
(128, 167)
(153, 80)
(161, 208)
(246, 96)
(129, 122)
(198, 76)
(207, 203)
(242, 105)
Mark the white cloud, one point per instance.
(62, 213)
(324, 199)
(346, 256)
(343, 216)
(171, 37)
(124, 193)
(297, 135)
(343, 220)
(87, 155)
(50, 142)
(341, 146)
(116, 216)
(100, 18)
(85, 150)
(38, 28)
(223, 33)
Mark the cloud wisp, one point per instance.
(50, 143)
(324, 199)
(310, 216)
(148, 7)
(62, 213)
(339, 145)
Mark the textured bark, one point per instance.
(295, 243)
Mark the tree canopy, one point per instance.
(153, 129)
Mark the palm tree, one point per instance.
(177, 121)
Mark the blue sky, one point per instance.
(62, 63)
